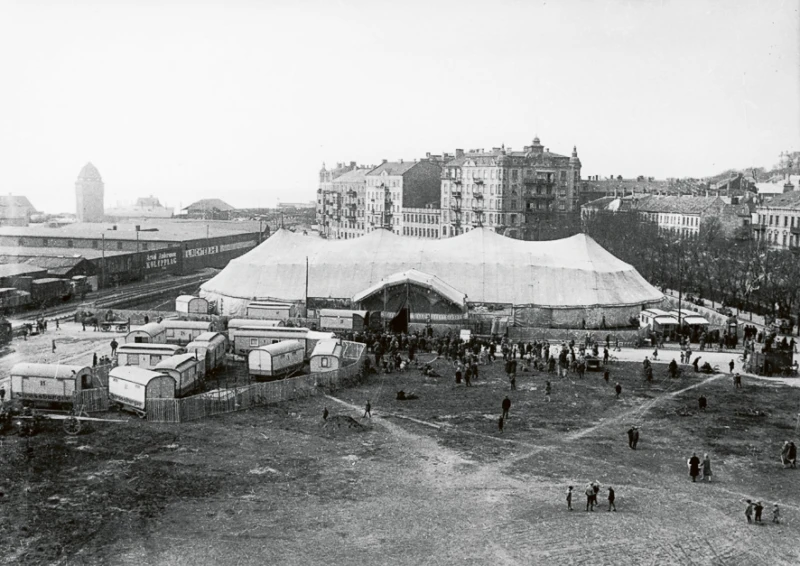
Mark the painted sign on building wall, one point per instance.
(157, 260)
(218, 249)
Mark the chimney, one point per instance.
(352, 165)
(383, 161)
(459, 153)
(401, 160)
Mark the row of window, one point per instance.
(421, 218)
(95, 244)
(775, 220)
(421, 232)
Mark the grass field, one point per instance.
(426, 481)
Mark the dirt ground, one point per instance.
(426, 481)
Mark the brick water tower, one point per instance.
(89, 195)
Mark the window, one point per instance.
(325, 362)
(154, 359)
(44, 241)
(94, 244)
(119, 245)
(254, 342)
(70, 244)
(133, 359)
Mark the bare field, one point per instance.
(427, 481)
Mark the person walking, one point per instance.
(776, 514)
(569, 499)
(706, 468)
(94, 359)
(695, 364)
(506, 407)
(792, 455)
(618, 389)
(547, 389)
(694, 466)
(367, 410)
(606, 375)
(748, 511)
(731, 364)
(325, 413)
(500, 423)
(611, 497)
(114, 345)
(54, 346)
(785, 454)
(635, 437)
(630, 438)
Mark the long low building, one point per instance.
(560, 283)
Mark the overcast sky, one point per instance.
(245, 100)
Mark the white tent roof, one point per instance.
(485, 266)
(418, 278)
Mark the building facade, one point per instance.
(682, 215)
(777, 221)
(507, 190)
(422, 222)
(89, 194)
(393, 186)
(344, 216)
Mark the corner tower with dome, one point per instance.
(89, 191)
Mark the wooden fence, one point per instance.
(91, 400)
(228, 400)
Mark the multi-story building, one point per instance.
(777, 221)
(325, 200)
(507, 190)
(394, 186)
(344, 211)
(680, 214)
(422, 222)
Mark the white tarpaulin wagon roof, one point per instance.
(485, 266)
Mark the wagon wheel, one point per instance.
(72, 426)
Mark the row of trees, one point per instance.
(740, 272)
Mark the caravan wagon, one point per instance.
(337, 319)
(48, 382)
(327, 356)
(211, 346)
(189, 304)
(277, 360)
(186, 369)
(146, 356)
(184, 331)
(131, 387)
(270, 311)
(150, 333)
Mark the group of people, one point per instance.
(592, 490)
(756, 508)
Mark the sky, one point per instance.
(244, 101)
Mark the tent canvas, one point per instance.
(485, 266)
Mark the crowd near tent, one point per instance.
(553, 283)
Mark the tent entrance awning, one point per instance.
(418, 278)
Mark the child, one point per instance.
(776, 514)
(611, 498)
(569, 501)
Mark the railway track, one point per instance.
(123, 296)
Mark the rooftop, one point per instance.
(392, 168)
(210, 204)
(354, 176)
(677, 204)
(11, 269)
(166, 230)
(785, 200)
